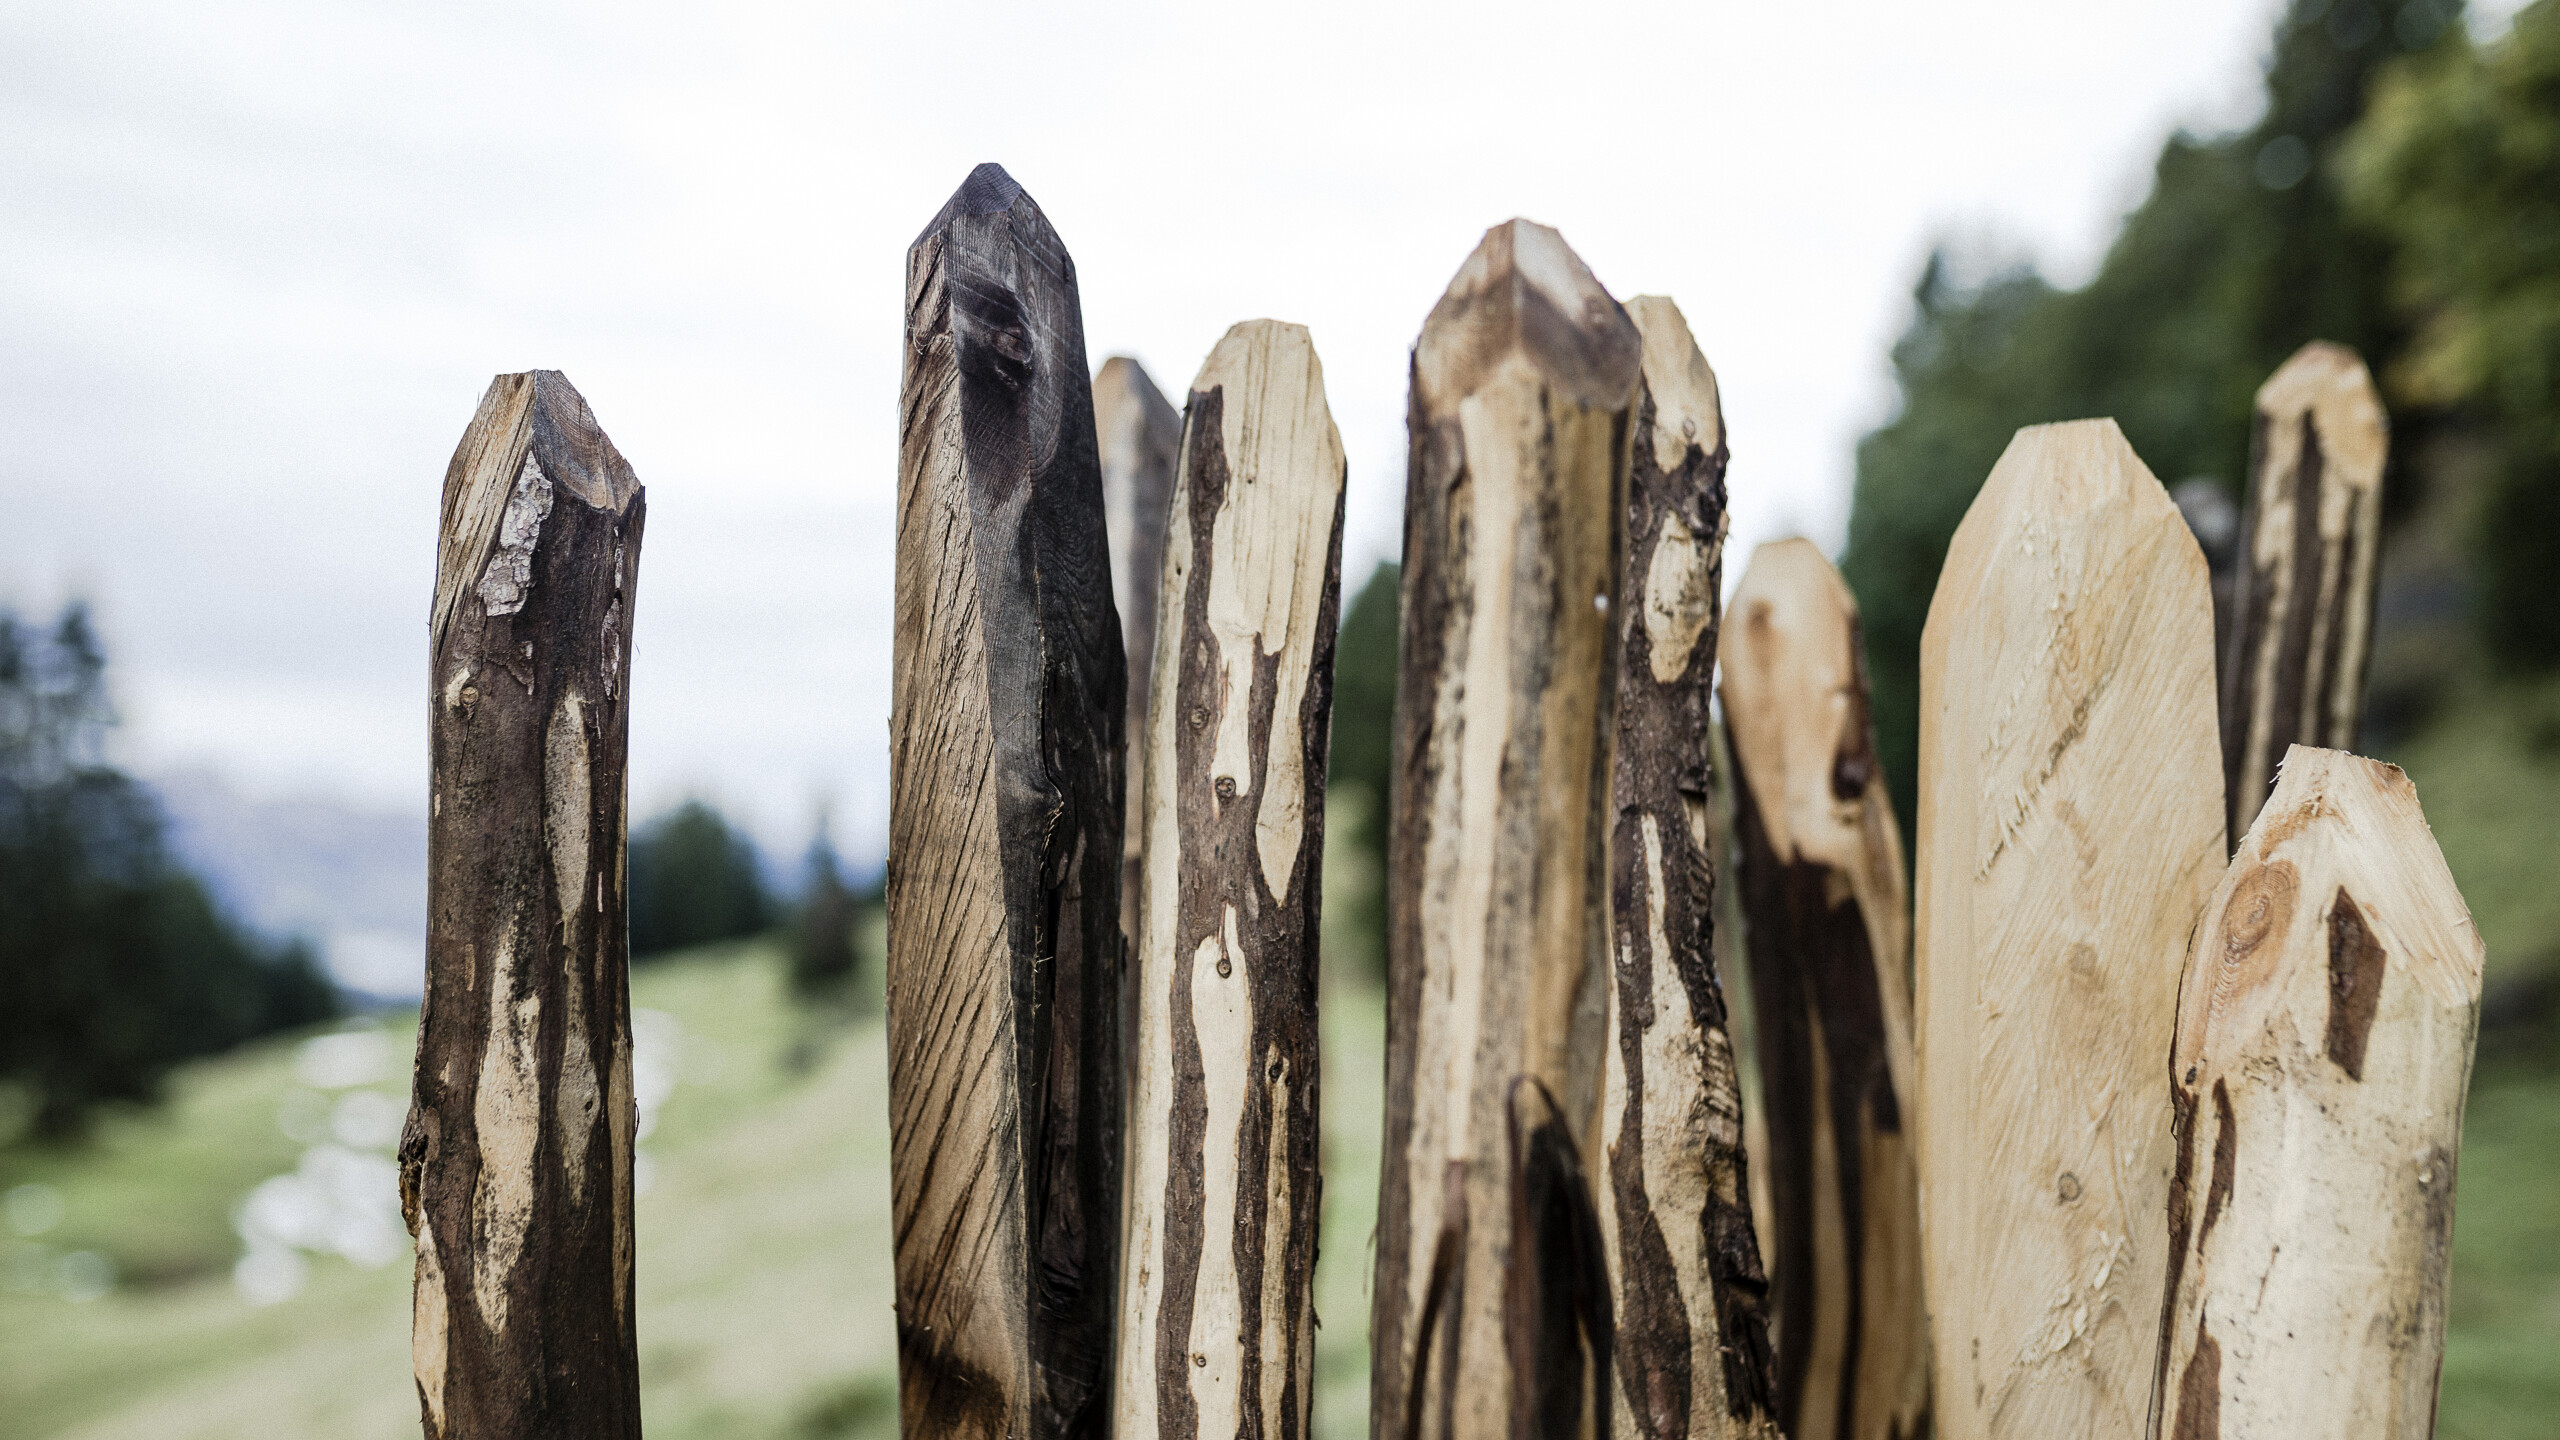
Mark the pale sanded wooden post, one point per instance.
(1829, 941)
(1004, 842)
(1217, 1333)
(2325, 1033)
(2070, 830)
(1140, 433)
(515, 1164)
(1674, 1206)
(1491, 1307)
(2301, 623)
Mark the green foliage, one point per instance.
(2458, 164)
(693, 881)
(2242, 252)
(825, 956)
(1360, 758)
(114, 963)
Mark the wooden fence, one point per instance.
(2121, 1134)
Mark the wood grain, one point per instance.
(1691, 1334)
(2301, 623)
(1217, 1332)
(1828, 935)
(1491, 1310)
(1141, 438)
(1004, 841)
(515, 1163)
(2325, 1033)
(2070, 830)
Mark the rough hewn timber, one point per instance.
(1829, 939)
(515, 1164)
(1217, 1332)
(1692, 1334)
(2302, 604)
(2070, 830)
(1141, 435)
(1491, 1309)
(1004, 842)
(2325, 1032)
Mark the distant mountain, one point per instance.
(351, 880)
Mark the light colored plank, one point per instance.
(2070, 830)
(1829, 944)
(2325, 1034)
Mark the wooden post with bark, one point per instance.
(1691, 1336)
(1217, 1332)
(1004, 842)
(1491, 1307)
(2301, 622)
(1140, 434)
(2070, 830)
(2325, 1035)
(515, 1163)
(1828, 935)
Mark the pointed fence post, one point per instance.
(1828, 934)
(1217, 1332)
(2325, 1034)
(2310, 550)
(1491, 1304)
(515, 1163)
(1004, 842)
(2070, 830)
(1140, 434)
(1691, 1351)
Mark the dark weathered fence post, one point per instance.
(1004, 841)
(515, 1165)
(2325, 1034)
(1217, 1334)
(1829, 940)
(1491, 1303)
(1691, 1353)
(2301, 622)
(2070, 830)
(1140, 434)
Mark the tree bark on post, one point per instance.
(2310, 551)
(2325, 1033)
(1691, 1352)
(1217, 1334)
(1491, 1309)
(1141, 435)
(2070, 830)
(515, 1163)
(1004, 842)
(1828, 936)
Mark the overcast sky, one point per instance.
(257, 262)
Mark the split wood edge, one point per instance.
(516, 1158)
(2325, 1035)
(1828, 940)
(1005, 844)
(2301, 622)
(1140, 434)
(1690, 1345)
(1217, 1331)
(1489, 1301)
(2070, 831)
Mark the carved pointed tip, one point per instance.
(1266, 343)
(987, 191)
(574, 449)
(2320, 367)
(1122, 384)
(1688, 409)
(2073, 467)
(1524, 291)
(1793, 573)
(2329, 383)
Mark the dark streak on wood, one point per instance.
(2200, 1391)
(2355, 983)
(995, 359)
(2226, 1159)
(527, 983)
(2182, 1180)
(1555, 1302)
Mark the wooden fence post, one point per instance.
(2310, 548)
(1691, 1352)
(1217, 1334)
(2325, 1032)
(1491, 1311)
(1004, 841)
(1140, 434)
(1828, 934)
(515, 1163)
(2070, 831)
